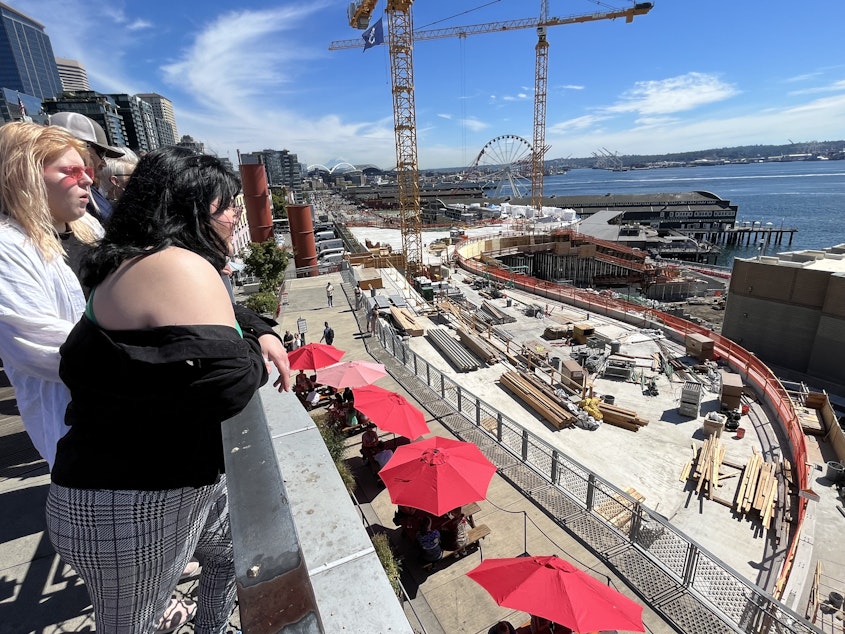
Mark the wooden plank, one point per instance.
(685, 471)
(751, 491)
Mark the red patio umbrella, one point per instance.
(390, 411)
(314, 356)
(437, 474)
(350, 374)
(554, 589)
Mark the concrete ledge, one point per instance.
(338, 552)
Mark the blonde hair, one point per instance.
(25, 148)
(114, 166)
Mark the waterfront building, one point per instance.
(166, 124)
(73, 74)
(101, 108)
(789, 309)
(27, 63)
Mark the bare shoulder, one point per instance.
(173, 286)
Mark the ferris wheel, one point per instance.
(504, 166)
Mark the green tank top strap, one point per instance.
(89, 308)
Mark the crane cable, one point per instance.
(457, 14)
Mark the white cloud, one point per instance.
(139, 25)
(445, 116)
(836, 86)
(474, 124)
(675, 94)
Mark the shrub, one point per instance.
(392, 566)
(336, 444)
(262, 302)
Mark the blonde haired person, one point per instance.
(115, 174)
(43, 193)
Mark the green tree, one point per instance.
(280, 204)
(266, 261)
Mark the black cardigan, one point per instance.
(147, 405)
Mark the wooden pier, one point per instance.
(744, 236)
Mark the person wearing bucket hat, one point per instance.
(86, 129)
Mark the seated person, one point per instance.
(351, 416)
(370, 443)
(382, 458)
(540, 625)
(303, 384)
(312, 398)
(409, 519)
(454, 531)
(337, 411)
(348, 396)
(429, 541)
(502, 627)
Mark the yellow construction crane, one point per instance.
(400, 40)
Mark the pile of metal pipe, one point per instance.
(449, 347)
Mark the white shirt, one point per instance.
(40, 302)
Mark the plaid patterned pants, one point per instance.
(130, 547)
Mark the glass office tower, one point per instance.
(27, 63)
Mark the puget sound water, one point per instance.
(805, 195)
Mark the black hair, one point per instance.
(167, 203)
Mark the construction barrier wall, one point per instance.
(754, 372)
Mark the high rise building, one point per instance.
(27, 63)
(72, 74)
(163, 108)
(283, 169)
(100, 108)
(139, 121)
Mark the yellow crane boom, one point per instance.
(400, 40)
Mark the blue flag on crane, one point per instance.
(374, 35)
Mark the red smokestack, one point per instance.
(302, 236)
(259, 210)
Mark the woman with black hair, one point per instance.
(138, 486)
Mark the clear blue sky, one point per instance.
(253, 74)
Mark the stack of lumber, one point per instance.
(478, 346)
(537, 397)
(618, 510)
(621, 417)
(758, 489)
(495, 314)
(705, 466)
(405, 320)
(452, 309)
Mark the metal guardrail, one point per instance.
(688, 585)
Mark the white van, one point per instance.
(325, 245)
(324, 235)
(329, 263)
(329, 253)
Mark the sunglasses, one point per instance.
(77, 172)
